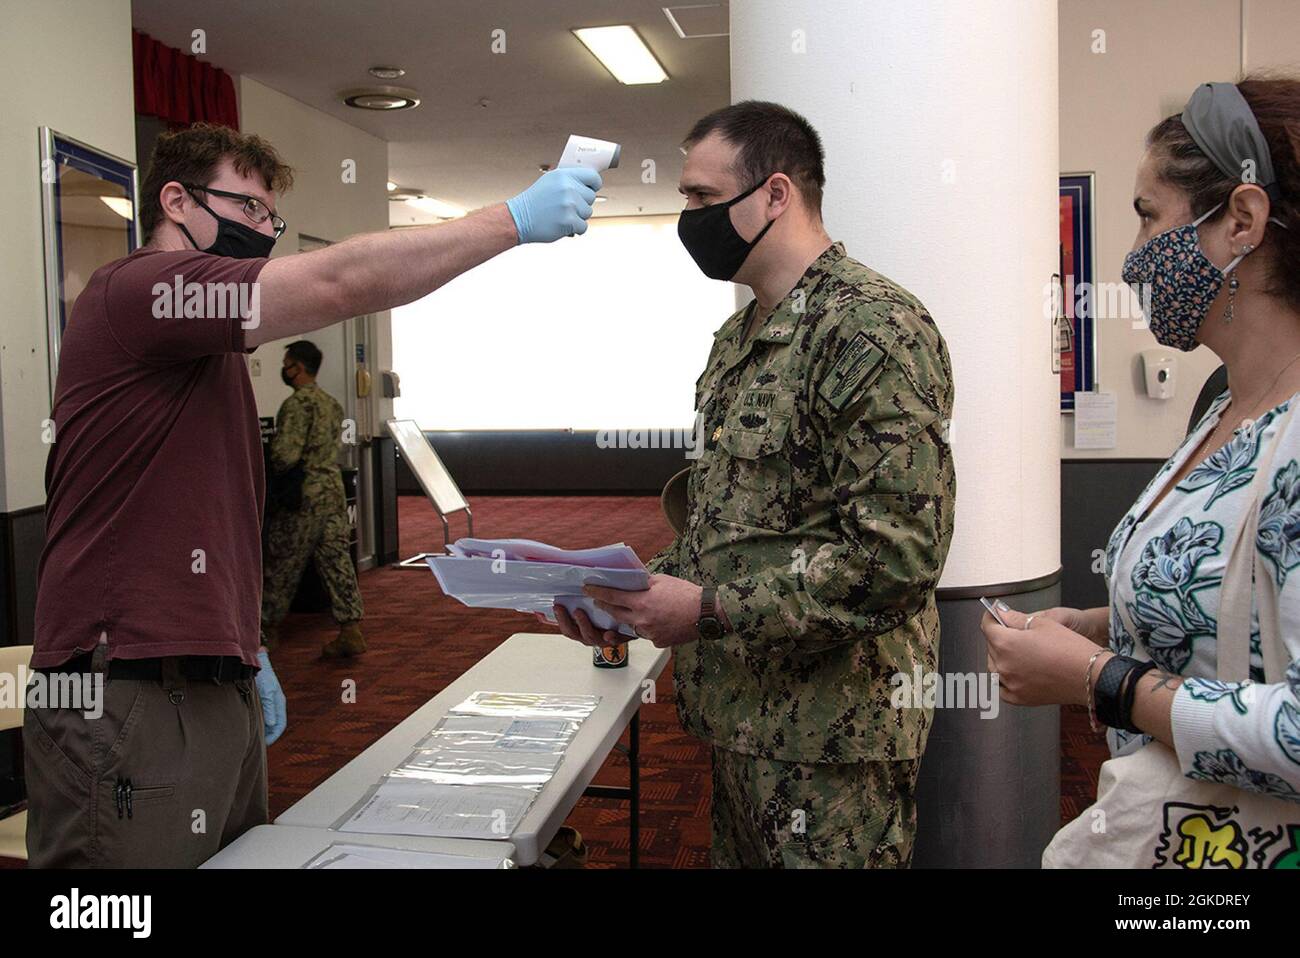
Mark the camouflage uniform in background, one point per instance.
(821, 508)
(309, 430)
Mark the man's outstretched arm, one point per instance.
(377, 271)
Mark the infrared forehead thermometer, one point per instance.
(598, 155)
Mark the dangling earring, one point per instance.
(1233, 285)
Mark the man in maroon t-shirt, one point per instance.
(149, 586)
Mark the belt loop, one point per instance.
(172, 679)
(99, 658)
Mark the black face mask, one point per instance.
(710, 237)
(233, 239)
(284, 375)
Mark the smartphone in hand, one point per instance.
(993, 611)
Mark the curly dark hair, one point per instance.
(192, 155)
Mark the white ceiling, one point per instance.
(486, 120)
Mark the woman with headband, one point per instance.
(1194, 666)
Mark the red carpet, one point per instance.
(420, 641)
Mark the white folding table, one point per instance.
(283, 846)
(526, 662)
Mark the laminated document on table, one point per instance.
(476, 733)
(475, 775)
(528, 576)
(528, 705)
(446, 811)
(498, 738)
(496, 767)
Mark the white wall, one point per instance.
(65, 64)
(609, 330)
(324, 206)
(320, 205)
(1157, 52)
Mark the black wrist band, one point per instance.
(1106, 691)
(1129, 695)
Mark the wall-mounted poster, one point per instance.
(88, 200)
(1074, 324)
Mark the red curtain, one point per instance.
(179, 88)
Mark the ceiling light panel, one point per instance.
(623, 53)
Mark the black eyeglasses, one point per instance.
(254, 209)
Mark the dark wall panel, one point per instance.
(550, 461)
(1095, 494)
(383, 453)
(22, 536)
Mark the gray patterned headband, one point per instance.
(1221, 122)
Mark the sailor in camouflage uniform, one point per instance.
(309, 431)
(820, 510)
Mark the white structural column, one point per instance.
(939, 121)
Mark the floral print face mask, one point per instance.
(1176, 283)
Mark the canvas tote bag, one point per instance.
(1148, 814)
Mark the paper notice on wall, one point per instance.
(1094, 420)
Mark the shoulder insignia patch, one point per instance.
(857, 364)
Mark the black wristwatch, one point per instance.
(709, 625)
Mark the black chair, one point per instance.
(1216, 384)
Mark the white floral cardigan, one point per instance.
(1163, 576)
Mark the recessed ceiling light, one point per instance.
(386, 73)
(391, 186)
(623, 53)
(381, 98)
(119, 205)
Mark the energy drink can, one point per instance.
(609, 656)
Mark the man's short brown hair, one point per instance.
(193, 154)
(769, 138)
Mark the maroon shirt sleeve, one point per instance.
(190, 304)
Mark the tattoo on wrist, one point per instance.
(1165, 681)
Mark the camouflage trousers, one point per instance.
(294, 537)
(770, 814)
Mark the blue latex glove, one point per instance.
(556, 205)
(272, 696)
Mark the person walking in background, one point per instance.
(308, 517)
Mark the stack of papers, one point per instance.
(529, 576)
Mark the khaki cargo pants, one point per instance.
(770, 814)
(192, 750)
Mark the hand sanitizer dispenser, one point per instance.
(1159, 367)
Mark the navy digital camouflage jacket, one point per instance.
(821, 507)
